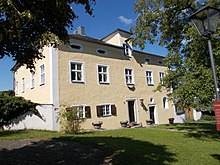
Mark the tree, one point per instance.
(12, 107)
(26, 26)
(189, 70)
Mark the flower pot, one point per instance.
(97, 125)
(124, 123)
(149, 122)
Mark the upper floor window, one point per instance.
(160, 62)
(42, 74)
(32, 81)
(161, 75)
(76, 71)
(127, 49)
(106, 110)
(101, 52)
(103, 74)
(149, 77)
(147, 60)
(165, 103)
(129, 76)
(76, 47)
(23, 84)
(16, 88)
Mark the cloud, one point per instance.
(125, 20)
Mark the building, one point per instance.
(108, 80)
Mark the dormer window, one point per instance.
(76, 47)
(127, 50)
(101, 52)
(160, 62)
(147, 60)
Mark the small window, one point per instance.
(161, 75)
(160, 62)
(32, 80)
(147, 60)
(16, 88)
(106, 110)
(101, 52)
(42, 74)
(103, 74)
(23, 85)
(129, 76)
(149, 77)
(165, 103)
(76, 47)
(127, 50)
(76, 72)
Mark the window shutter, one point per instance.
(87, 112)
(99, 111)
(113, 110)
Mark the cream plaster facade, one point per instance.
(138, 98)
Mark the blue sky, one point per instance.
(108, 16)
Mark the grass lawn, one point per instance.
(187, 144)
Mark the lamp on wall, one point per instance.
(142, 101)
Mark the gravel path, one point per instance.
(26, 152)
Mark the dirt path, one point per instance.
(26, 152)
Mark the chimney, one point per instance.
(80, 30)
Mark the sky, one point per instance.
(107, 17)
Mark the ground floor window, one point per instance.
(106, 110)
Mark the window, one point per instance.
(149, 76)
(103, 74)
(165, 103)
(106, 110)
(76, 71)
(160, 62)
(147, 60)
(82, 111)
(42, 75)
(23, 85)
(129, 76)
(127, 49)
(32, 80)
(16, 88)
(75, 47)
(161, 75)
(101, 52)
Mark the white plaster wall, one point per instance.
(197, 114)
(34, 122)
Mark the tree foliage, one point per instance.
(12, 107)
(189, 70)
(26, 26)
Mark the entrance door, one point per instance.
(131, 111)
(151, 109)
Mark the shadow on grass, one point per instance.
(201, 131)
(10, 132)
(216, 156)
(89, 150)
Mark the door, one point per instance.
(131, 111)
(152, 117)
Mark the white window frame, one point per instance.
(74, 49)
(77, 71)
(129, 76)
(83, 111)
(165, 103)
(103, 73)
(161, 76)
(42, 74)
(104, 110)
(32, 80)
(149, 77)
(127, 50)
(16, 88)
(99, 49)
(23, 85)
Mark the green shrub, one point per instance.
(70, 119)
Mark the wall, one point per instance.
(30, 121)
(92, 93)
